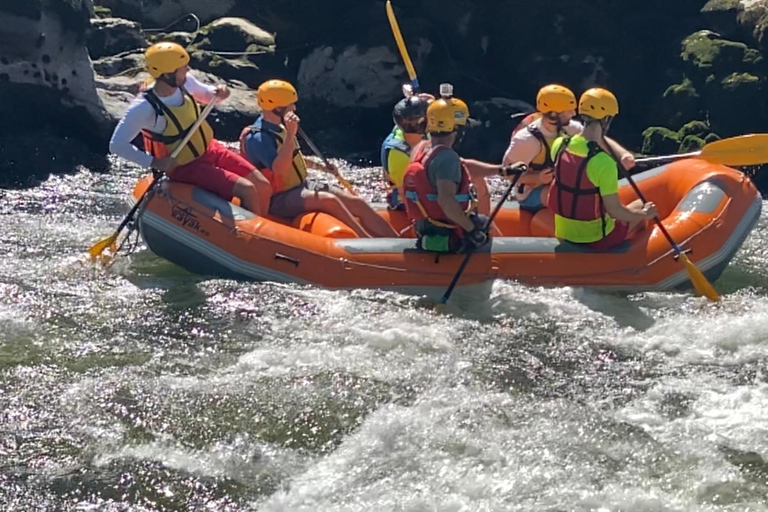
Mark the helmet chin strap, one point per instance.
(169, 79)
(459, 136)
(605, 124)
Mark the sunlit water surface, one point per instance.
(146, 388)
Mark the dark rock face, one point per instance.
(690, 85)
(110, 36)
(44, 67)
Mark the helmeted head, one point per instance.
(556, 103)
(168, 62)
(410, 114)
(446, 115)
(555, 98)
(276, 95)
(598, 104)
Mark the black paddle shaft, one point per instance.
(128, 218)
(470, 252)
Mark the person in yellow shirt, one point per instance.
(410, 117)
(584, 194)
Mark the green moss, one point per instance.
(102, 12)
(681, 103)
(738, 80)
(691, 143)
(697, 128)
(705, 53)
(711, 137)
(722, 5)
(658, 140)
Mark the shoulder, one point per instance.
(603, 163)
(526, 133)
(573, 127)
(557, 143)
(139, 108)
(446, 161)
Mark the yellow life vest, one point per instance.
(178, 121)
(289, 180)
(543, 160)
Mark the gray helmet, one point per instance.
(410, 114)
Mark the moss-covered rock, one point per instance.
(706, 53)
(722, 17)
(736, 104)
(711, 137)
(658, 140)
(233, 35)
(100, 11)
(681, 102)
(691, 143)
(697, 128)
(183, 38)
(217, 49)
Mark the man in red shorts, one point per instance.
(584, 195)
(164, 113)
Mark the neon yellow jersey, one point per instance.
(397, 161)
(604, 174)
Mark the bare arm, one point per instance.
(478, 169)
(446, 198)
(283, 164)
(625, 157)
(621, 213)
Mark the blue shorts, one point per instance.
(533, 202)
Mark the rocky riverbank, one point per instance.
(685, 72)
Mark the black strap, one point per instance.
(548, 163)
(279, 140)
(161, 109)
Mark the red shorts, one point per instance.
(216, 170)
(614, 238)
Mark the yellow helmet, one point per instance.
(598, 103)
(162, 58)
(555, 98)
(274, 94)
(445, 114)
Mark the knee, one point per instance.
(259, 181)
(329, 201)
(244, 187)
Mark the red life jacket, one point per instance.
(573, 195)
(421, 196)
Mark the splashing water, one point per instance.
(147, 388)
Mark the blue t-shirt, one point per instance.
(261, 148)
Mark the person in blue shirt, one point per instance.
(270, 144)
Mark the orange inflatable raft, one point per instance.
(707, 208)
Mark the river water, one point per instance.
(146, 388)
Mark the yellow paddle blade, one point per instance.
(99, 247)
(700, 283)
(399, 39)
(738, 151)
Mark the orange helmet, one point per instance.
(555, 98)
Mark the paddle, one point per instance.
(401, 46)
(700, 283)
(487, 227)
(735, 151)
(99, 247)
(347, 185)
